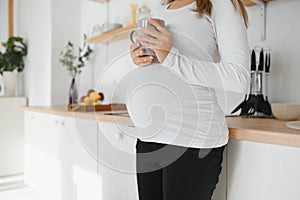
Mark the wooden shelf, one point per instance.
(246, 2)
(112, 36)
(250, 3)
(122, 33)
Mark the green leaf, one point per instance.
(73, 62)
(13, 57)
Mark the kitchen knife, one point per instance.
(268, 63)
(261, 61)
(267, 70)
(253, 61)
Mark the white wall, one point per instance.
(34, 25)
(111, 62)
(91, 14)
(3, 24)
(283, 30)
(47, 26)
(3, 21)
(66, 24)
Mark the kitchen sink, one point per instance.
(118, 114)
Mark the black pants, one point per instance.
(167, 172)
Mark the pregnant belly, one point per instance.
(158, 100)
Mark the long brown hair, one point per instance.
(205, 7)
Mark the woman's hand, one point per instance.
(136, 55)
(160, 41)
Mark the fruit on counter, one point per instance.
(95, 96)
(92, 98)
(101, 95)
(90, 91)
(82, 98)
(95, 103)
(87, 100)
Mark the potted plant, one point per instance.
(11, 62)
(74, 61)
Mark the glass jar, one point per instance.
(143, 12)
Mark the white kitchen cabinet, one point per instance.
(59, 162)
(117, 170)
(262, 171)
(11, 135)
(74, 159)
(42, 170)
(79, 178)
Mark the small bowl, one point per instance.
(285, 111)
(106, 27)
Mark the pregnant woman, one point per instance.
(202, 49)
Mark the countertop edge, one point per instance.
(267, 137)
(100, 116)
(253, 130)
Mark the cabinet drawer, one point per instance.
(116, 146)
(116, 157)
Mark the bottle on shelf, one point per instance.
(133, 9)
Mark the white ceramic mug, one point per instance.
(143, 23)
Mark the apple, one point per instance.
(90, 91)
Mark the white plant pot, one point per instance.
(2, 93)
(10, 83)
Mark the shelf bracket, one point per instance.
(262, 6)
(10, 18)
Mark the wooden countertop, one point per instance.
(104, 116)
(270, 131)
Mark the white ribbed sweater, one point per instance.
(175, 102)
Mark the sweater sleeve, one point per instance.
(231, 73)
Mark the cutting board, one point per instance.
(91, 108)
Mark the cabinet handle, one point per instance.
(62, 123)
(56, 122)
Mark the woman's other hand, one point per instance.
(160, 41)
(136, 54)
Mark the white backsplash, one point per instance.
(282, 37)
(3, 22)
(46, 83)
(111, 62)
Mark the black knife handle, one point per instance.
(268, 63)
(261, 61)
(253, 61)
